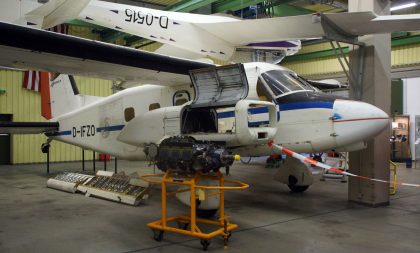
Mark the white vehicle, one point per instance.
(216, 110)
(242, 106)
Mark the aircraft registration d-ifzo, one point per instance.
(205, 110)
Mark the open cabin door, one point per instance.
(219, 86)
(215, 88)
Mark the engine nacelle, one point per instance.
(246, 133)
(295, 174)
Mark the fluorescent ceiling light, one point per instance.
(403, 6)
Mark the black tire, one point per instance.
(205, 244)
(298, 188)
(206, 213)
(158, 235)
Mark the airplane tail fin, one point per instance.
(61, 95)
(55, 12)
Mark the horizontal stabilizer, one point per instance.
(363, 23)
(310, 26)
(28, 127)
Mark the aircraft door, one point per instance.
(219, 87)
(172, 121)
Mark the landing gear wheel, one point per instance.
(205, 244)
(158, 235)
(298, 188)
(206, 213)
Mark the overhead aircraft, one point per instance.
(195, 36)
(228, 109)
(177, 31)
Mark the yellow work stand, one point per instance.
(222, 226)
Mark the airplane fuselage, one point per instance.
(307, 120)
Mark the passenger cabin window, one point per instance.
(129, 114)
(154, 106)
(281, 82)
(181, 97)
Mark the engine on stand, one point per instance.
(185, 154)
(194, 167)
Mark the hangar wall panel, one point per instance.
(405, 56)
(84, 32)
(314, 67)
(401, 56)
(25, 105)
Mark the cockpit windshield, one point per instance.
(282, 81)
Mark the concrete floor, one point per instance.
(34, 218)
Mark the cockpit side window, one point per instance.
(281, 82)
(262, 91)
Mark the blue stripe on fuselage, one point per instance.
(60, 133)
(110, 128)
(305, 105)
(283, 107)
(98, 129)
(223, 115)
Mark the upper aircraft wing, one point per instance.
(30, 48)
(217, 36)
(310, 26)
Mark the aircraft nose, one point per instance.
(356, 121)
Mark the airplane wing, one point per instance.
(28, 127)
(30, 48)
(310, 26)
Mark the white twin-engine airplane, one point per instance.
(195, 36)
(190, 114)
(233, 109)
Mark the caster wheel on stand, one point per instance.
(158, 235)
(205, 244)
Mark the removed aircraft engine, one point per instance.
(185, 154)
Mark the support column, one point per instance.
(375, 89)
